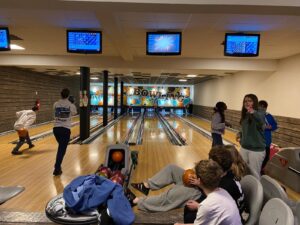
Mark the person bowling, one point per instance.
(63, 110)
(25, 119)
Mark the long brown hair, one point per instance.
(244, 110)
(239, 167)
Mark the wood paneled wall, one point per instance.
(18, 89)
(287, 134)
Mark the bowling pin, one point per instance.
(80, 99)
(85, 99)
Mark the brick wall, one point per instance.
(287, 134)
(18, 89)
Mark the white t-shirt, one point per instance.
(25, 119)
(218, 208)
(63, 110)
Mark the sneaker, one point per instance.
(57, 172)
(141, 187)
(31, 146)
(130, 196)
(16, 152)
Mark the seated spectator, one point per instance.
(223, 155)
(218, 208)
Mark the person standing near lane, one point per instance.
(218, 123)
(252, 137)
(271, 125)
(63, 110)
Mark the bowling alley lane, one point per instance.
(187, 132)
(33, 169)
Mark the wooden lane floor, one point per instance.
(34, 168)
(157, 151)
(12, 136)
(229, 134)
(6, 139)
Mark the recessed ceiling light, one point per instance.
(182, 80)
(191, 75)
(94, 78)
(77, 73)
(16, 47)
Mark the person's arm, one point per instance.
(73, 110)
(272, 124)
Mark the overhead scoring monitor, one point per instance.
(241, 45)
(163, 43)
(84, 41)
(4, 39)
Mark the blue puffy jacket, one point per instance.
(86, 193)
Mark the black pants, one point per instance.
(22, 140)
(62, 136)
(217, 139)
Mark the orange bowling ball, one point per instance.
(187, 175)
(117, 156)
(22, 133)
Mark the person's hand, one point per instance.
(193, 180)
(193, 205)
(250, 109)
(268, 126)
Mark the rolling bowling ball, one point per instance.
(187, 175)
(117, 156)
(104, 171)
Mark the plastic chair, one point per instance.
(253, 191)
(272, 189)
(276, 212)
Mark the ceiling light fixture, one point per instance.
(16, 47)
(94, 78)
(77, 73)
(182, 80)
(191, 75)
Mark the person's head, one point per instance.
(35, 108)
(220, 107)
(249, 101)
(209, 172)
(263, 105)
(239, 166)
(65, 93)
(222, 156)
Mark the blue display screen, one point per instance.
(4, 39)
(241, 45)
(84, 41)
(163, 43)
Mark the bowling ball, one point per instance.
(187, 175)
(71, 99)
(105, 171)
(117, 179)
(117, 156)
(22, 132)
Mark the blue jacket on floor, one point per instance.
(86, 193)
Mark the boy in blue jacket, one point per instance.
(271, 125)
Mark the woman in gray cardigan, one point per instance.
(218, 123)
